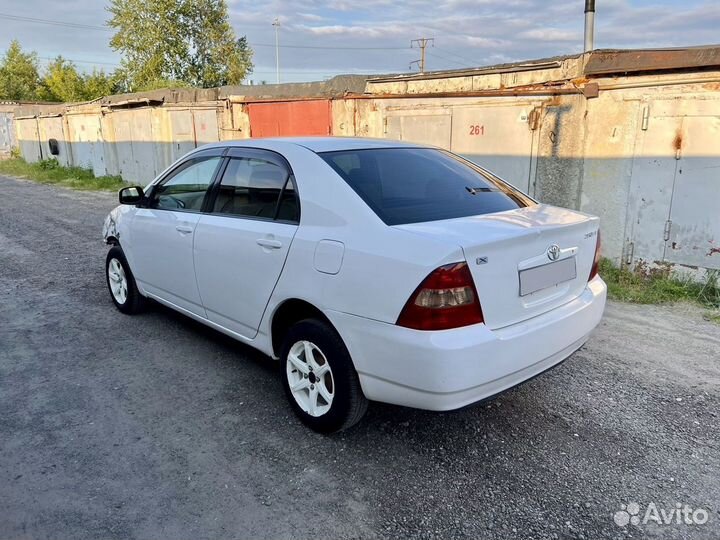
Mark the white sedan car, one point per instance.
(372, 269)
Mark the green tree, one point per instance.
(99, 84)
(62, 82)
(178, 42)
(19, 77)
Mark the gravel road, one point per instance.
(156, 427)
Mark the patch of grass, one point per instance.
(660, 284)
(50, 171)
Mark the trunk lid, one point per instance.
(524, 262)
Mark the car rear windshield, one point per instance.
(412, 185)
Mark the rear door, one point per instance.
(162, 234)
(242, 244)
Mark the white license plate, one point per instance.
(547, 275)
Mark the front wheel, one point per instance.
(319, 378)
(121, 283)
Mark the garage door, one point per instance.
(498, 138)
(290, 118)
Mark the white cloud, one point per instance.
(551, 34)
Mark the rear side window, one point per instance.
(412, 185)
(252, 187)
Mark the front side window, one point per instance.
(412, 185)
(252, 187)
(186, 189)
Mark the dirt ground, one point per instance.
(156, 427)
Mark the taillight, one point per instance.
(596, 260)
(445, 299)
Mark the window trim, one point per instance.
(195, 157)
(270, 156)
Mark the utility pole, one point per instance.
(276, 24)
(422, 43)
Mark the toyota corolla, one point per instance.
(372, 269)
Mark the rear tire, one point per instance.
(121, 283)
(319, 378)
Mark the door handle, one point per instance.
(183, 229)
(270, 244)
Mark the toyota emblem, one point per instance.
(553, 252)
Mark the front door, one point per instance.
(242, 243)
(162, 234)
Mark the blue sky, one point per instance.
(320, 39)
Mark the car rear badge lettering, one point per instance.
(481, 260)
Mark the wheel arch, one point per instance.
(288, 313)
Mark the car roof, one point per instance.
(321, 144)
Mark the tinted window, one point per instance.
(186, 189)
(251, 187)
(411, 185)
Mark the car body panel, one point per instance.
(162, 256)
(449, 369)
(235, 274)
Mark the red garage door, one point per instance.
(290, 118)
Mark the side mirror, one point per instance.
(131, 195)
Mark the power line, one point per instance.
(54, 23)
(435, 55)
(332, 48)
(472, 61)
(336, 71)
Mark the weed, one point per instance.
(49, 171)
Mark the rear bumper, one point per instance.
(450, 369)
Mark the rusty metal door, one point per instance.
(498, 138)
(693, 229)
(651, 184)
(290, 118)
(675, 187)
